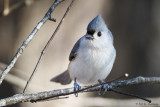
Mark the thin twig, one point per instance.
(126, 75)
(46, 46)
(18, 98)
(28, 39)
(129, 94)
(103, 83)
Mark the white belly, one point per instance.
(92, 65)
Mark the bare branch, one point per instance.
(28, 39)
(46, 46)
(18, 98)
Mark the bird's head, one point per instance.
(98, 35)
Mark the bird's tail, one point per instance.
(63, 78)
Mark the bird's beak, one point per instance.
(89, 37)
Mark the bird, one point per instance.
(92, 57)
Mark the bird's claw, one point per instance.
(77, 87)
(105, 87)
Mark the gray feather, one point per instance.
(111, 36)
(73, 53)
(97, 24)
(63, 78)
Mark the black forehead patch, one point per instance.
(91, 32)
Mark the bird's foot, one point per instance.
(105, 87)
(77, 87)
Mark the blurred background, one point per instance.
(134, 24)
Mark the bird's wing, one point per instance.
(73, 53)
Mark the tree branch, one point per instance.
(48, 43)
(19, 98)
(28, 39)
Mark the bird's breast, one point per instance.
(90, 65)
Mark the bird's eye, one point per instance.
(99, 34)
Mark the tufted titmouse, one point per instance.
(92, 57)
